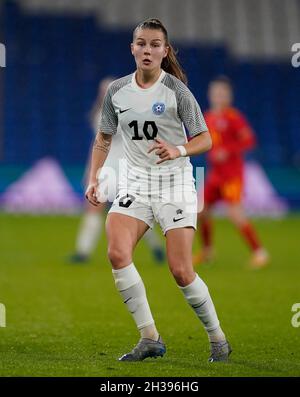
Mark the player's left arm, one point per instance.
(191, 116)
(199, 144)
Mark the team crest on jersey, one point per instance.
(158, 108)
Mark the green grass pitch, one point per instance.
(65, 320)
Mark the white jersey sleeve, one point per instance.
(109, 118)
(188, 108)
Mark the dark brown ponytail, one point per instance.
(170, 64)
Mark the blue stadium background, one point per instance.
(54, 64)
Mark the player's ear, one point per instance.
(131, 48)
(166, 51)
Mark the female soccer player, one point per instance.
(232, 136)
(91, 223)
(149, 108)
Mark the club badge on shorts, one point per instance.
(158, 108)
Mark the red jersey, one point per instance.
(232, 135)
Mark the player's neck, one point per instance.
(145, 79)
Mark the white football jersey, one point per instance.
(139, 115)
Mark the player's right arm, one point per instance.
(107, 128)
(100, 152)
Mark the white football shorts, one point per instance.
(171, 210)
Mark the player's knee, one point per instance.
(118, 256)
(182, 274)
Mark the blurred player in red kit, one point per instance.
(231, 136)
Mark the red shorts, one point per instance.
(229, 189)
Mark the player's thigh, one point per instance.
(179, 243)
(120, 227)
(123, 233)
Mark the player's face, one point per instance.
(219, 95)
(149, 49)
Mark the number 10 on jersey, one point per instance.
(150, 130)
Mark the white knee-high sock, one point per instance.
(89, 233)
(132, 289)
(198, 297)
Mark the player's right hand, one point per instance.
(91, 194)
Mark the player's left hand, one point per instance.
(164, 150)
